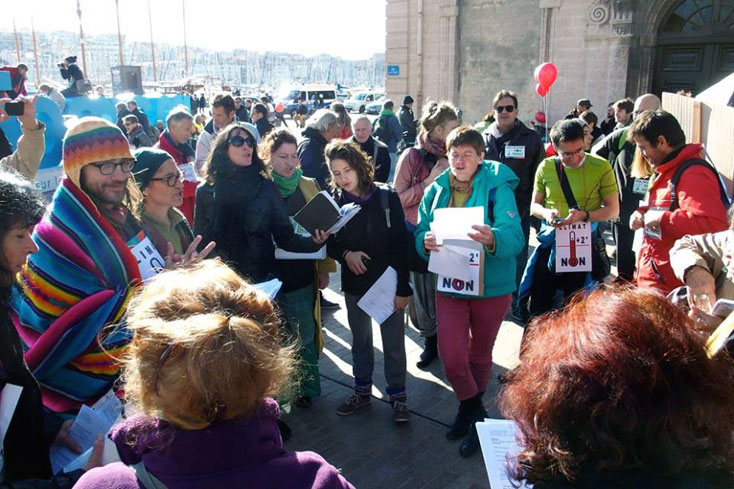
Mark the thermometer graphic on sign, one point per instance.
(572, 260)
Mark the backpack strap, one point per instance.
(565, 186)
(674, 204)
(491, 199)
(622, 140)
(384, 194)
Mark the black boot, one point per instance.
(470, 445)
(430, 352)
(462, 422)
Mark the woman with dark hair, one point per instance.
(302, 278)
(31, 432)
(161, 184)
(372, 241)
(241, 210)
(616, 391)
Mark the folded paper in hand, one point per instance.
(322, 212)
(456, 222)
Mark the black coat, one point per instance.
(72, 73)
(311, 155)
(380, 156)
(243, 212)
(524, 168)
(408, 124)
(621, 160)
(368, 231)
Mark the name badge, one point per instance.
(150, 262)
(640, 186)
(515, 152)
(188, 171)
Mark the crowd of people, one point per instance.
(137, 279)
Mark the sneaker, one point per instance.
(400, 412)
(325, 304)
(352, 404)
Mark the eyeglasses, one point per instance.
(571, 154)
(504, 108)
(108, 167)
(170, 180)
(238, 141)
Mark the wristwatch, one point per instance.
(586, 219)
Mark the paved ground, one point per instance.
(371, 450)
(368, 447)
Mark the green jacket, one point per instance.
(499, 267)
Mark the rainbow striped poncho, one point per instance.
(70, 295)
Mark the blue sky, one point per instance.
(351, 29)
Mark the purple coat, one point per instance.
(230, 454)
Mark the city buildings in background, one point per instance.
(237, 68)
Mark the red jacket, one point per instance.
(17, 80)
(700, 211)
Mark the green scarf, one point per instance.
(387, 112)
(286, 186)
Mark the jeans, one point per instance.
(363, 352)
(467, 329)
(298, 309)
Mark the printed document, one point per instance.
(497, 438)
(379, 301)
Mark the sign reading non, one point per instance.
(573, 248)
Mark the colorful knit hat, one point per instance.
(92, 140)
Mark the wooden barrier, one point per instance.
(710, 125)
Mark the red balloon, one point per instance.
(541, 90)
(546, 74)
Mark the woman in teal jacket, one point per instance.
(468, 324)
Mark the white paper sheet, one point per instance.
(379, 301)
(9, 398)
(281, 254)
(456, 222)
(269, 288)
(109, 455)
(109, 407)
(452, 261)
(497, 438)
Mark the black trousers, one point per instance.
(626, 261)
(547, 282)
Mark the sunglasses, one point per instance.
(504, 108)
(238, 141)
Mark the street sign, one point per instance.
(393, 70)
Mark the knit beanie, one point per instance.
(147, 162)
(92, 140)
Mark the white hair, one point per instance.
(177, 114)
(360, 118)
(322, 120)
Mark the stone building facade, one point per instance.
(467, 50)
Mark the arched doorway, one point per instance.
(695, 47)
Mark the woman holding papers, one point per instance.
(204, 364)
(241, 210)
(28, 436)
(470, 309)
(616, 391)
(373, 243)
(302, 278)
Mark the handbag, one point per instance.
(601, 265)
(83, 86)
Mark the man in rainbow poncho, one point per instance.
(92, 256)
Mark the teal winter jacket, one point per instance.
(499, 266)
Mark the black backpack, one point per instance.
(381, 131)
(679, 172)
